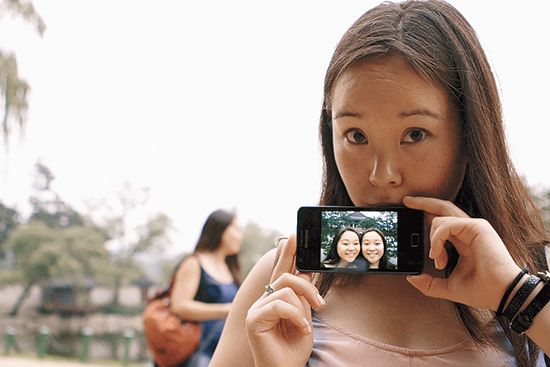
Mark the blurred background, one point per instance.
(125, 123)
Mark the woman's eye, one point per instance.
(356, 137)
(415, 136)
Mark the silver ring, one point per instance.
(269, 289)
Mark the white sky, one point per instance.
(215, 103)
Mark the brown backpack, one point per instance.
(169, 339)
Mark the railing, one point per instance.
(48, 342)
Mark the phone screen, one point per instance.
(351, 239)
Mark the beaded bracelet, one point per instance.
(510, 289)
(524, 320)
(521, 296)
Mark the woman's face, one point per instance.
(395, 134)
(372, 248)
(232, 238)
(348, 246)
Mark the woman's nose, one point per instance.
(385, 171)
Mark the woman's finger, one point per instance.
(438, 238)
(298, 285)
(267, 316)
(430, 286)
(285, 263)
(286, 294)
(434, 206)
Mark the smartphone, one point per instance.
(344, 239)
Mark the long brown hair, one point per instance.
(441, 46)
(210, 239)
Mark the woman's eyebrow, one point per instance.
(420, 112)
(346, 114)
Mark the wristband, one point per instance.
(509, 290)
(521, 296)
(524, 320)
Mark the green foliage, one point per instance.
(43, 253)
(13, 89)
(120, 309)
(168, 267)
(9, 220)
(48, 206)
(26, 10)
(128, 240)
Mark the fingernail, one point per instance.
(430, 253)
(436, 264)
(321, 300)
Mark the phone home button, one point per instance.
(415, 240)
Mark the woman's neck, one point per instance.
(387, 309)
(214, 256)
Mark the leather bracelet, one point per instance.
(510, 289)
(524, 320)
(521, 296)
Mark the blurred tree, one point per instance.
(256, 242)
(131, 234)
(14, 90)
(47, 205)
(42, 253)
(9, 220)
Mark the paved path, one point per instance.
(35, 362)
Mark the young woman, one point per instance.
(411, 116)
(344, 249)
(207, 281)
(373, 248)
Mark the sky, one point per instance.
(215, 104)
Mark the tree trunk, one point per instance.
(116, 290)
(15, 310)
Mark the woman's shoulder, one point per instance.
(188, 264)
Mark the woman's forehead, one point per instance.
(361, 85)
(372, 234)
(349, 233)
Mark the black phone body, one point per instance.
(327, 243)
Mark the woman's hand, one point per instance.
(485, 267)
(278, 325)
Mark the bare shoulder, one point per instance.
(188, 266)
(228, 352)
(186, 281)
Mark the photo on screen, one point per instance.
(359, 240)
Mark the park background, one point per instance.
(145, 116)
